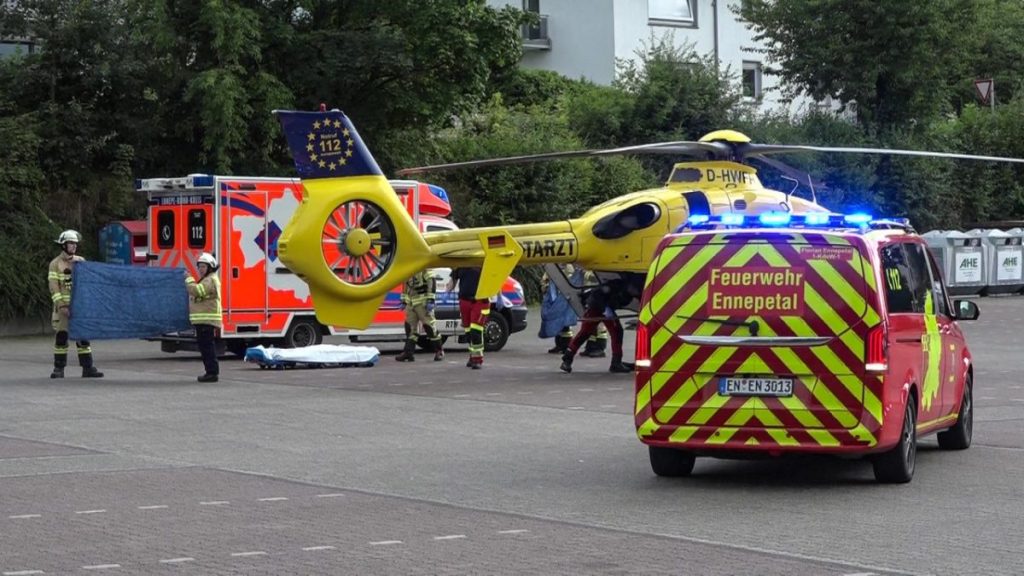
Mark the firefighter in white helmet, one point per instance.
(204, 311)
(59, 281)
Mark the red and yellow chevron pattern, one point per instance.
(835, 403)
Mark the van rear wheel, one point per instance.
(897, 465)
(959, 436)
(303, 332)
(670, 462)
(496, 332)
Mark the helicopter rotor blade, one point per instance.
(679, 148)
(802, 177)
(765, 149)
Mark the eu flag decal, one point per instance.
(326, 145)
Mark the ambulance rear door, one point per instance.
(244, 286)
(180, 220)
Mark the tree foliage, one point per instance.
(890, 57)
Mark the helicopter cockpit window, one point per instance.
(636, 217)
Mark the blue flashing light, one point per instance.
(775, 218)
(786, 219)
(732, 219)
(858, 219)
(817, 218)
(202, 181)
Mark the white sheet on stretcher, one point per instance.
(321, 354)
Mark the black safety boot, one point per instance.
(409, 353)
(59, 362)
(208, 378)
(438, 353)
(619, 367)
(476, 363)
(594, 349)
(561, 343)
(566, 362)
(91, 372)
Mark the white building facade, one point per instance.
(583, 39)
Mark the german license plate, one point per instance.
(447, 325)
(728, 386)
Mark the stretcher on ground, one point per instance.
(318, 356)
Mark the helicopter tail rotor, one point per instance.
(350, 239)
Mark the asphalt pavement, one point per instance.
(432, 468)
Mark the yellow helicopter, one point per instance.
(352, 240)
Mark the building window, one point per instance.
(12, 48)
(752, 80)
(673, 12)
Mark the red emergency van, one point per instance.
(782, 333)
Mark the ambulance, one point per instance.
(774, 334)
(239, 219)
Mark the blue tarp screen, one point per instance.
(111, 301)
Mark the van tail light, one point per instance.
(876, 358)
(643, 347)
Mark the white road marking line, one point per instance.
(332, 495)
(214, 503)
(273, 499)
(512, 531)
(575, 408)
(178, 560)
(245, 554)
(427, 382)
(1017, 399)
(987, 398)
(461, 396)
(90, 511)
(493, 394)
(586, 389)
(315, 548)
(607, 405)
(450, 537)
(554, 391)
(155, 507)
(101, 567)
(23, 572)
(524, 392)
(385, 542)
(614, 388)
(23, 516)
(780, 553)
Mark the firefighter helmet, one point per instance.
(69, 236)
(208, 259)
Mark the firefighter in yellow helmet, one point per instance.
(205, 313)
(59, 280)
(418, 296)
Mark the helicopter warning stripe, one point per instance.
(804, 285)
